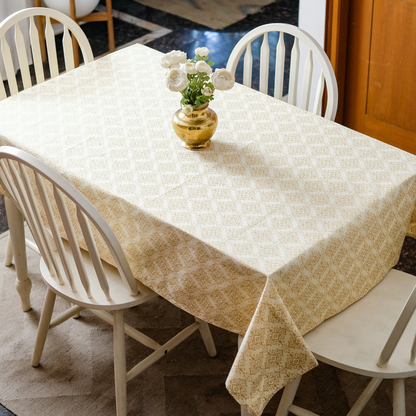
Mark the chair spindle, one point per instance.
(46, 247)
(8, 65)
(55, 232)
(72, 239)
(317, 106)
(36, 53)
(29, 208)
(398, 330)
(307, 80)
(264, 64)
(280, 67)
(51, 47)
(248, 67)
(22, 56)
(3, 94)
(93, 252)
(68, 50)
(294, 73)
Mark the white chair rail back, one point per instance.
(397, 332)
(23, 176)
(51, 16)
(326, 76)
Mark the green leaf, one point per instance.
(210, 63)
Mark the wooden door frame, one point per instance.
(336, 42)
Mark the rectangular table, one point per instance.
(284, 221)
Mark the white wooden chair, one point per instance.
(362, 338)
(70, 28)
(76, 275)
(326, 77)
(12, 24)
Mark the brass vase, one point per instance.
(195, 130)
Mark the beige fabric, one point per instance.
(284, 221)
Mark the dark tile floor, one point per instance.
(187, 35)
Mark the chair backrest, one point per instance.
(23, 177)
(326, 77)
(69, 26)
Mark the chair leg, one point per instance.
(365, 396)
(8, 260)
(288, 396)
(110, 26)
(43, 328)
(207, 338)
(17, 236)
(399, 402)
(120, 372)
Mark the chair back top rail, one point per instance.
(326, 76)
(24, 177)
(22, 53)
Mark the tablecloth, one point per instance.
(284, 221)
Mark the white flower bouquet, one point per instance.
(194, 78)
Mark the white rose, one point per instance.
(222, 79)
(207, 91)
(202, 52)
(187, 109)
(190, 68)
(202, 66)
(177, 79)
(173, 59)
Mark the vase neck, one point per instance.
(201, 107)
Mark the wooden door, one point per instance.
(380, 80)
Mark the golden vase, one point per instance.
(195, 130)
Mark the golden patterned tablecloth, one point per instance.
(284, 221)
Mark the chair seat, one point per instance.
(353, 339)
(120, 297)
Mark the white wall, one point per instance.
(312, 20)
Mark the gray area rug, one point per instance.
(76, 372)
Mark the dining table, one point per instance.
(284, 221)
